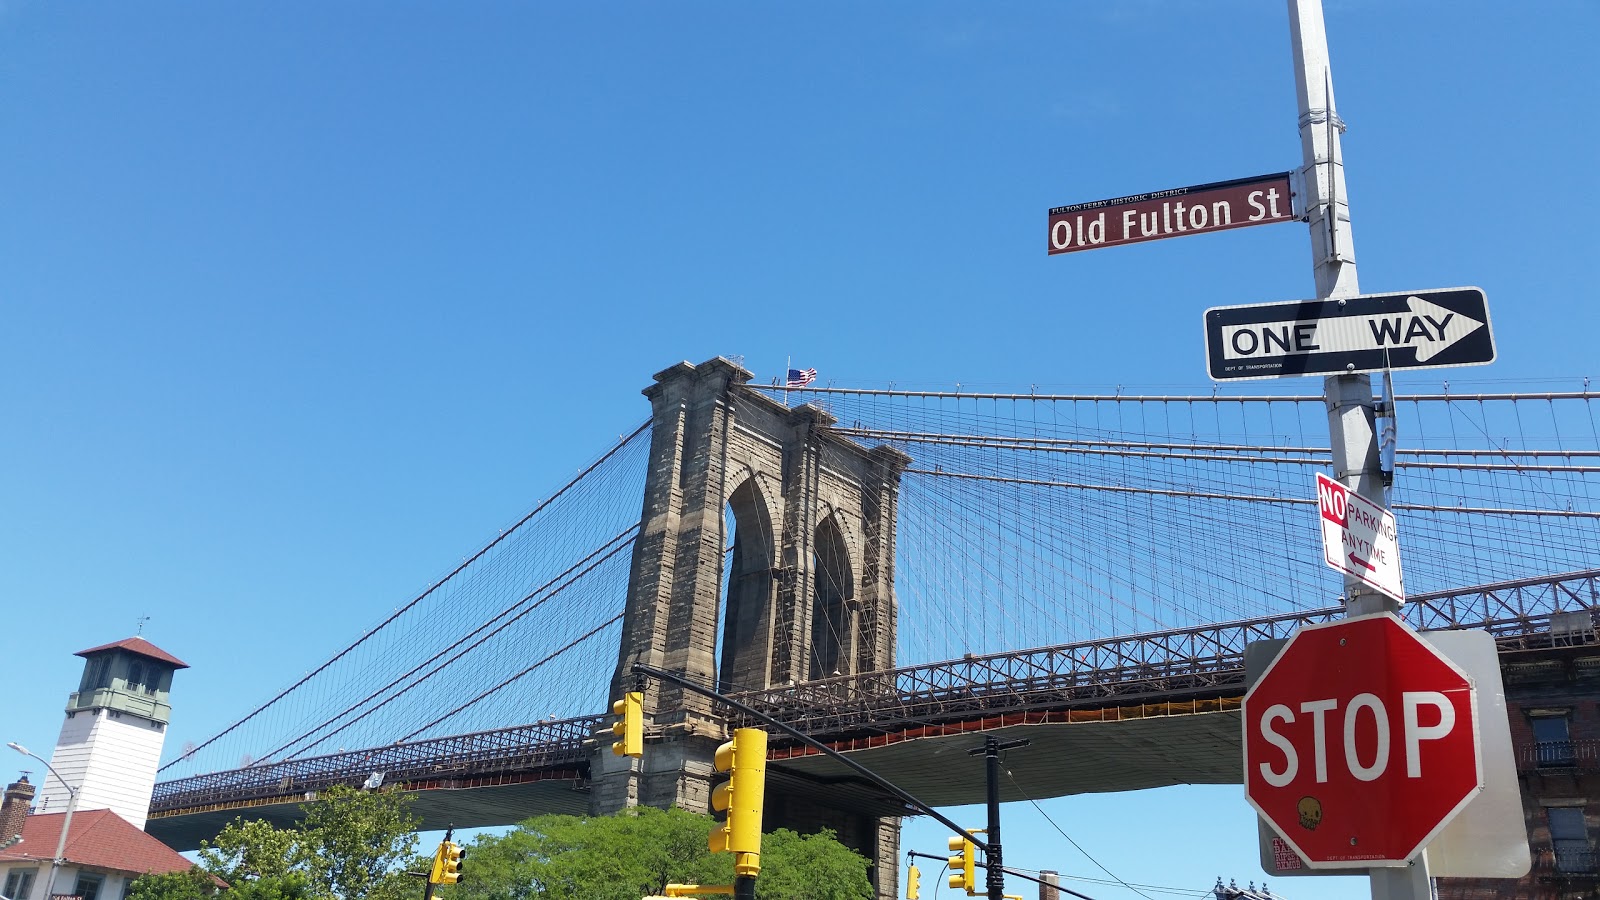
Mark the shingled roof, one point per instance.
(140, 646)
(100, 839)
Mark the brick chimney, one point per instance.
(19, 796)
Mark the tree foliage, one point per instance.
(347, 846)
(195, 884)
(350, 845)
(356, 840)
(810, 867)
(638, 852)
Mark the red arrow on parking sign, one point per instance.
(1360, 743)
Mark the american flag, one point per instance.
(801, 377)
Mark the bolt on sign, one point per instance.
(1198, 209)
(1361, 742)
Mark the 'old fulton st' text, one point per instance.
(1163, 214)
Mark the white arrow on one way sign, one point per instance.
(1428, 328)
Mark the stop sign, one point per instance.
(1360, 742)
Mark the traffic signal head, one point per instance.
(629, 727)
(962, 865)
(745, 760)
(913, 883)
(447, 863)
(452, 854)
(437, 872)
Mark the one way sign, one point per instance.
(1412, 330)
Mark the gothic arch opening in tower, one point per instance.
(747, 590)
(832, 589)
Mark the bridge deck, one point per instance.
(1162, 708)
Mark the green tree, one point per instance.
(249, 851)
(195, 884)
(638, 852)
(347, 846)
(810, 867)
(357, 840)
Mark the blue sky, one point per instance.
(300, 304)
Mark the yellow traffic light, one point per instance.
(629, 727)
(437, 872)
(913, 883)
(962, 865)
(447, 863)
(741, 796)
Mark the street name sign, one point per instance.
(1359, 537)
(1360, 743)
(1198, 209)
(1368, 333)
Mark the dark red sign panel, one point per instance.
(1163, 214)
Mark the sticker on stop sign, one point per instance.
(1360, 743)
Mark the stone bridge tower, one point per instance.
(765, 558)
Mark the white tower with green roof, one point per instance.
(110, 744)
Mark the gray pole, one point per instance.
(1349, 397)
(66, 821)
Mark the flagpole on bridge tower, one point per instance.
(1351, 428)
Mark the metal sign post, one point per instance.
(1349, 397)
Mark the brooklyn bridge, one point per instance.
(892, 571)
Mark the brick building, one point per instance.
(1553, 700)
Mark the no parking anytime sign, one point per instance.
(1359, 538)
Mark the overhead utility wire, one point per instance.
(1087, 855)
(1157, 888)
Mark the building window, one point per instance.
(1569, 836)
(97, 674)
(135, 676)
(89, 886)
(19, 882)
(1552, 741)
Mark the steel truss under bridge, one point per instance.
(1181, 664)
(525, 748)
(1177, 665)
